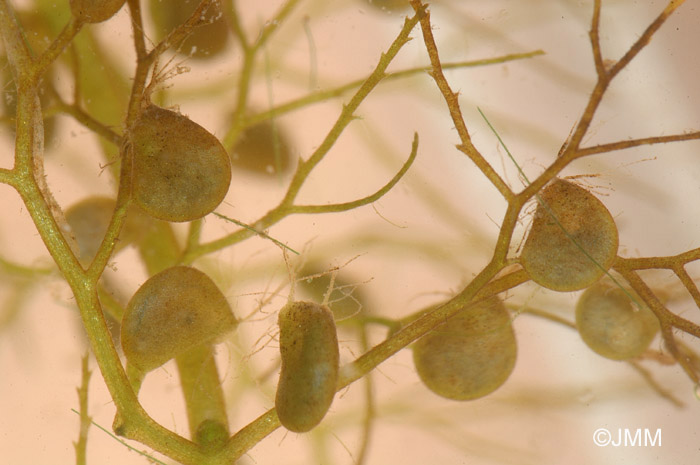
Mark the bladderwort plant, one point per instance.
(170, 179)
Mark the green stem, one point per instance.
(16, 48)
(81, 444)
(325, 95)
(204, 398)
(286, 206)
(199, 377)
(57, 46)
(341, 207)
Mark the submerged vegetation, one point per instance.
(232, 218)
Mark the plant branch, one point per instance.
(28, 179)
(272, 25)
(85, 419)
(87, 120)
(370, 411)
(143, 63)
(7, 176)
(109, 242)
(137, 28)
(249, 54)
(645, 38)
(606, 76)
(660, 390)
(688, 283)
(197, 18)
(452, 100)
(341, 207)
(667, 319)
(324, 95)
(235, 25)
(627, 144)
(669, 262)
(18, 53)
(57, 46)
(204, 397)
(594, 35)
(347, 114)
(305, 167)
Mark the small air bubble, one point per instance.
(697, 391)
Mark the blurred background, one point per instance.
(417, 246)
